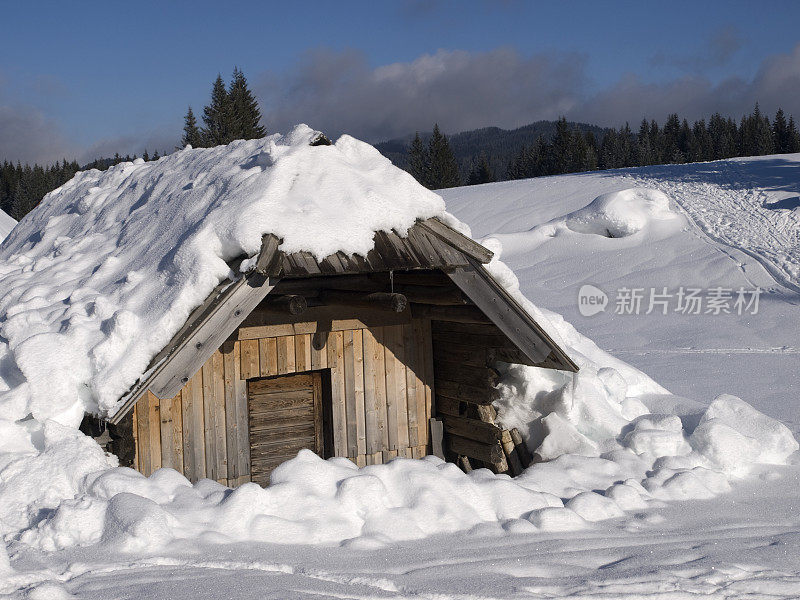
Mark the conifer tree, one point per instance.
(780, 137)
(218, 116)
(443, 166)
(419, 161)
(191, 132)
(792, 136)
(481, 172)
(246, 114)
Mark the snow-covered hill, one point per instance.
(663, 231)
(741, 231)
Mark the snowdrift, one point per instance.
(107, 268)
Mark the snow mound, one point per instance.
(7, 223)
(309, 501)
(623, 213)
(105, 270)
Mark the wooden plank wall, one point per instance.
(381, 399)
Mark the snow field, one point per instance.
(615, 444)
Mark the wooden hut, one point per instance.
(365, 357)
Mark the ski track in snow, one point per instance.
(730, 208)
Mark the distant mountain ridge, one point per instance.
(499, 145)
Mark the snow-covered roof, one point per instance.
(7, 223)
(98, 278)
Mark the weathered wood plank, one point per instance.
(213, 375)
(427, 346)
(396, 382)
(250, 366)
(136, 453)
(391, 375)
(461, 242)
(490, 453)
(171, 434)
(286, 354)
(350, 393)
(358, 389)
(194, 459)
(302, 348)
(374, 392)
(422, 383)
(233, 421)
(436, 437)
(465, 393)
(335, 348)
(154, 426)
(143, 430)
(319, 353)
(409, 341)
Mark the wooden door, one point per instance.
(285, 416)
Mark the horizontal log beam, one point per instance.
(468, 375)
(465, 393)
(490, 453)
(290, 304)
(384, 300)
(472, 429)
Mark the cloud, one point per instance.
(776, 84)
(338, 92)
(27, 135)
(716, 52)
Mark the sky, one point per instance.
(88, 79)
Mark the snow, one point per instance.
(7, 223)
(108, 267)
(643, 493)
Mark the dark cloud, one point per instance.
(339, 92)
(776, 84)
(27, 135)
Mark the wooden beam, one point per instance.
(466, 245)
(437, 436)
(472, 429)
(384, 300)
(269, 259)
(497, 304)
(522, 449)
(454, 314)
(289, 304)
(490, 453)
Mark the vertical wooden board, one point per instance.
(154, 426)
(350, 393)
(194, 457)
(302, 352)
(427, 345)
(372, 425)
(390, 375)
(389, 455)
(412, 381)
(242, 425)
(286, 354)
(422, 383)
(230, 366)
(136, 454)
(143, 430)
(249, 358)
(319, 441)
(335, 348)
(220, 457)
(177, 430)
(272, 356)
(167, 442)
(358, 390)
(400, 387)
(264, 358)
(319, 352)
(360, 460)
(209, 419)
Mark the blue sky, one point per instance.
(88, 78)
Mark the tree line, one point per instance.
(571, 149)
